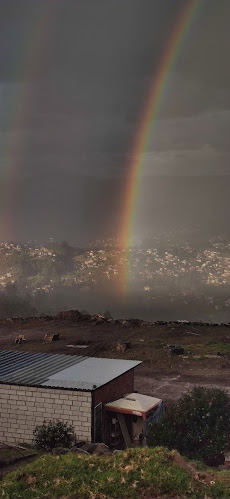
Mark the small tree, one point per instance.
(53, 434)
(197, 425)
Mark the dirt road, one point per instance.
(170, 388)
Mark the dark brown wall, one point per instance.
(112, 391)
(115, 389)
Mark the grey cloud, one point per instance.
(204, 161)
(208, 127)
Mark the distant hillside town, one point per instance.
(161, 271)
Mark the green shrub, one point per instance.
(197, 425)
(53, 434)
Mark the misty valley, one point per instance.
(169, 276)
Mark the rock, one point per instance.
(98, 318)
(86, 446)
(123, 345)
(79, 450)
(91, 448)
(116, 451)
(73, 315)
(102, 450)
(124, 322)
(177, 351)
(57, 451)
(80, 443)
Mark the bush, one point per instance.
(53, 434)
(197, 426)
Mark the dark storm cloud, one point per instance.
(73, 82)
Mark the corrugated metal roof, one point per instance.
(33, 364)
(92, 372)
(60, 371)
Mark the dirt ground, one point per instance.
(206, 359)
(170, 388)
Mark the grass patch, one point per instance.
(218, 346)
(12, 454)
(128, 474)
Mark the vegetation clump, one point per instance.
(53, 434)
(197, 425)
(133, 473)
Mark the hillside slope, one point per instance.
(132, 473)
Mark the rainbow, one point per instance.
(148, 120)
(18, 110)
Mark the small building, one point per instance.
(74, 389)
(130, 417)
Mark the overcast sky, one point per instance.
(74, 77)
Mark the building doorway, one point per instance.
(98, 423)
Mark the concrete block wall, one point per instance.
(22, 408)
